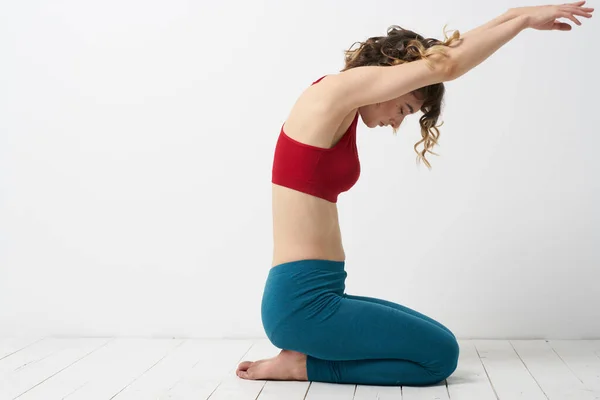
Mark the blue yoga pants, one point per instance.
(352, 339)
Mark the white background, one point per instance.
(136, 145)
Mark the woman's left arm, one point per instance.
(500, 19)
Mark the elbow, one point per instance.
(444, 67)
(449, 69)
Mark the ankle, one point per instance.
(300, 371)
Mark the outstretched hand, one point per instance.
(545, 18)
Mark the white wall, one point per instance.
(136, 142)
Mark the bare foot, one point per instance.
(288, 365)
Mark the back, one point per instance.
(307, 178)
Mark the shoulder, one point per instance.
(316, 116)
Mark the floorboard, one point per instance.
(204, 369)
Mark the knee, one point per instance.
(448, 359)
(283, 337)
(275, 337)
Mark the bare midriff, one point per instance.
(304, 227)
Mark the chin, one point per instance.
(369, 123)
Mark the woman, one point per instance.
(325, 334)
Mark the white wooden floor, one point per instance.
(123, 368)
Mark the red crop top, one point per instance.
(318, 171)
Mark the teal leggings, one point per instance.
(352, 339)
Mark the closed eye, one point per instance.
(409, 107)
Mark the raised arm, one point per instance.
(500, 19)
(477, 45)
(375, 84)
(361, 86)
(473, 49)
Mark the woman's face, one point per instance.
(390, 113)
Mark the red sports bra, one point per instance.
(318, 171)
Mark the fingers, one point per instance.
(578, 5)
(570, 10)
(567, 14)
(577, 11)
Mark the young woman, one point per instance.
(325, 334)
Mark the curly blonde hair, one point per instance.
(398, 47)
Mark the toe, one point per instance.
(249, 374)
(244, 366)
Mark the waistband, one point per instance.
(309, 265)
